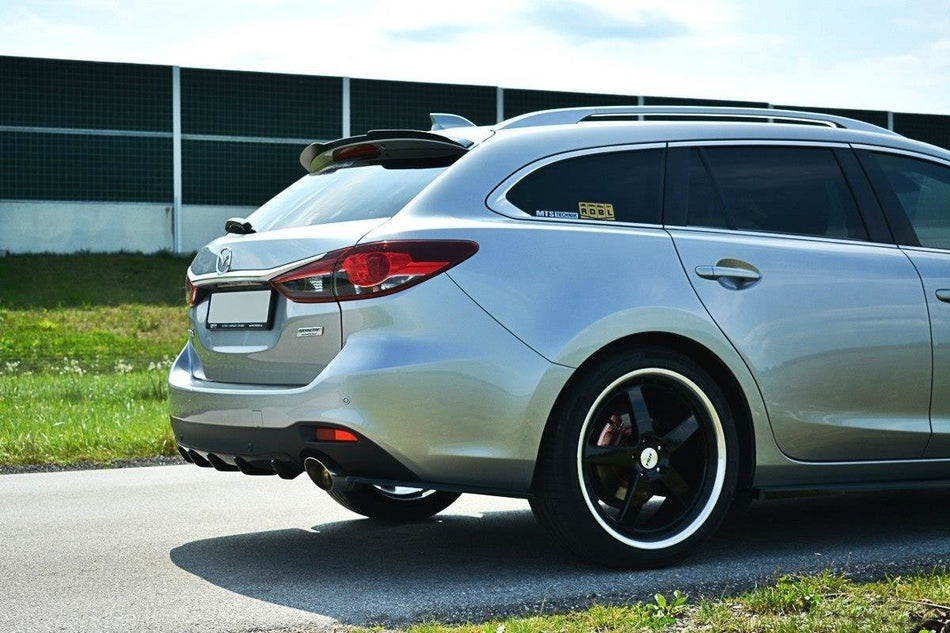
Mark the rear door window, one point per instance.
(609, 187)
(923, 190)
(787, 189)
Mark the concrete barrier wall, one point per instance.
(67, 227)
(202, 223)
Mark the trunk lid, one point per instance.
(255, 335)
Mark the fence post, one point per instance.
(176, 160)
(346, 107)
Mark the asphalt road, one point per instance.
(177, 548)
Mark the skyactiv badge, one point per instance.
(596, 210)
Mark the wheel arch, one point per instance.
(718, 370)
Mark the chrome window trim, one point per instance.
(784, 236)
(497, 199)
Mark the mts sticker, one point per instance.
(596, 210)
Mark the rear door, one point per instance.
(831, 320)
(915, 192)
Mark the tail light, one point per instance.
(191, 293)
(372, 270)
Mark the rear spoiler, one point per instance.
(387, 144)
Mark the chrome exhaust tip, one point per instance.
(319, 473)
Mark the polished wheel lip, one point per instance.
(718, 481)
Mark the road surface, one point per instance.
(178, 548)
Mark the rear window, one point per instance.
(351, 193)
(611, 186)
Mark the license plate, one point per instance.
(240, 310)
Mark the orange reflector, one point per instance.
(335, 435)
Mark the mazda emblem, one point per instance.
(223, 264)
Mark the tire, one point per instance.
(393, 504)
(639, 462)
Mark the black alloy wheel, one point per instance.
(639, 462)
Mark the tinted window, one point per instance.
(798, 190)
(615, 186)
(705, 206)
(923, 189)
(353, 193)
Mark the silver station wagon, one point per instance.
(634, 317)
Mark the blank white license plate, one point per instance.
(240, 310)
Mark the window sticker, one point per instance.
(596, 210)
(543, 213)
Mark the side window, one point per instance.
(923, 190)
(785, 189)
(705, 205)
(613, 186)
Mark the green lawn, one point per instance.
(77, 416)
(85, 344)
(824, 603)
(61, 281)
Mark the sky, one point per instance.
(874, 54)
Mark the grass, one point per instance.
(823, 603)
(77, 416)
(58, 281)
(85, 345)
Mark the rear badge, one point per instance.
(223, 264)
(309, 331)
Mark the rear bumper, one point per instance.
(446, 395)
(281, 451)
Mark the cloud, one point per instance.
(581, 21)
(435, 34)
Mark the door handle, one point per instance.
(741, 274)
(944, 295)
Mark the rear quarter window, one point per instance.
(608, 187)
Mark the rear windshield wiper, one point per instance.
(238, 225)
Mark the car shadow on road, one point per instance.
(466, 567)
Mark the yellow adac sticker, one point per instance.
(596, 210)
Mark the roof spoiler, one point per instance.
(389, 144)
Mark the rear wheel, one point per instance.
(393, 503)
(640, 462)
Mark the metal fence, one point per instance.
(196, 138)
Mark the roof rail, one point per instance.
(445, 121)
(607, 113)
